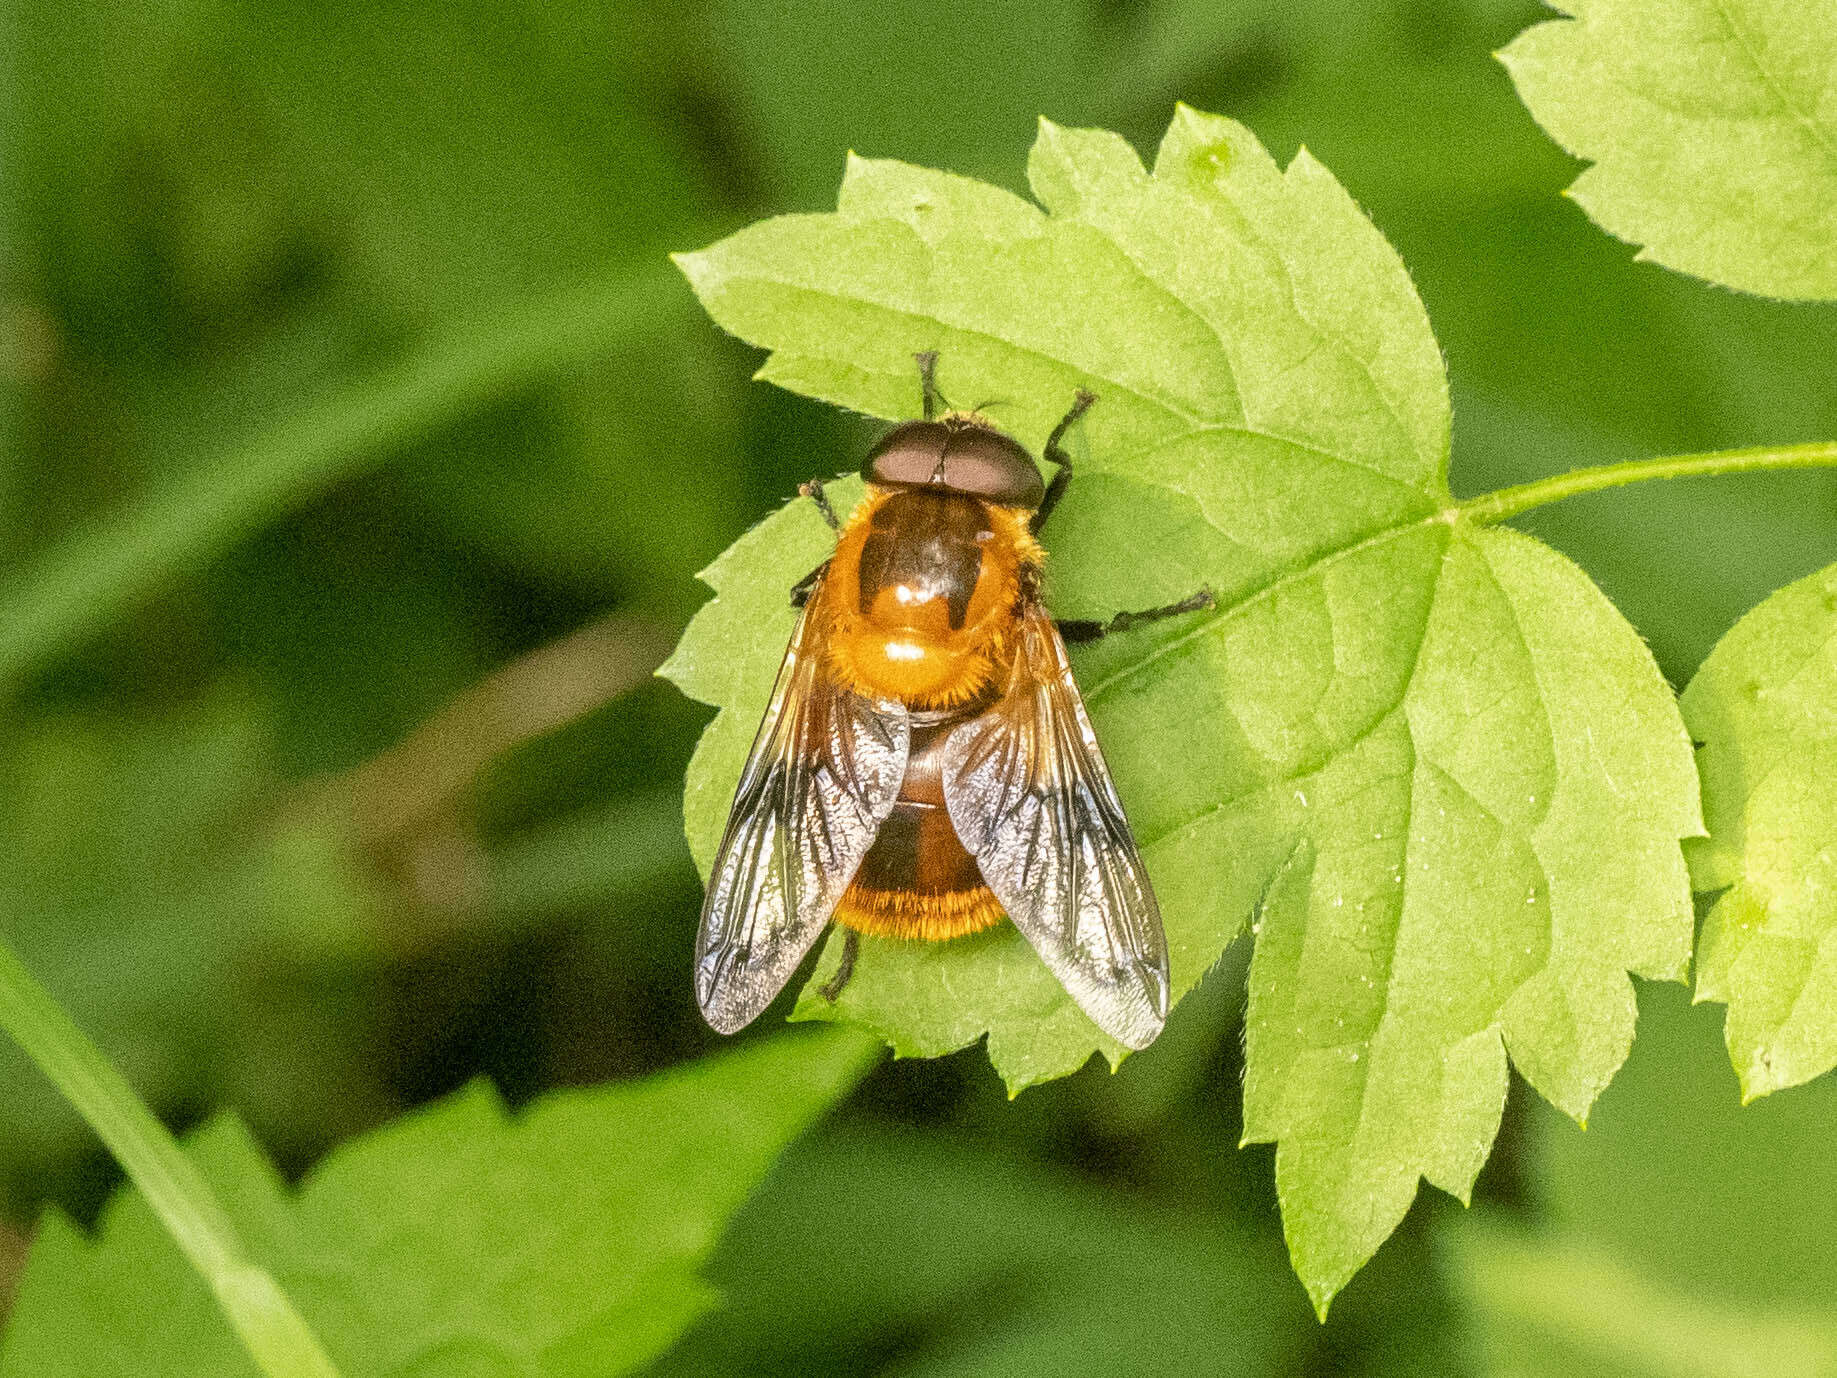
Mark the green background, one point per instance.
(367, 791)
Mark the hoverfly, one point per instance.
(926, 766)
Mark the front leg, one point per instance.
(1075, 631)
(813, 489)
(1056, 453)
(803, 588)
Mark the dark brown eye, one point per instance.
(959, 455)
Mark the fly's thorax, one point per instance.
(923, 592)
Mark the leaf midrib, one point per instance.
(1117, 465)
(1284, 580)
(1496, 1019)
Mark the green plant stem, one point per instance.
(1509, 502)
(83, 583)
(274, 1333)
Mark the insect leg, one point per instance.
(928, 382)
(1077, 631)
(802, 589)
(1055, 451)
(851, 949)
(813, 489)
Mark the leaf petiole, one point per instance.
(273, 1332)
(1497, 506)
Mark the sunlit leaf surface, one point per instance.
(1764, 705)
(1712, 127)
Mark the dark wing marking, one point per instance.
(823, 775)
(1031, 799)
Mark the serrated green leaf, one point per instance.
(1507, 851)
(1405, 735)
(1764, 707)
(458, 1243)
(1712, 127)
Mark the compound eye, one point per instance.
(907, 455)
(985, 463)
(977, 460)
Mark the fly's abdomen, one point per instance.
(917, 879)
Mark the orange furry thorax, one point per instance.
(931, 623)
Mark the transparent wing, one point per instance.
(1032, 801)
(823, 775)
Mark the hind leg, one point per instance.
(1079, 631)
(851, 949)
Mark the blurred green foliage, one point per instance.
(1682, 1234)
(564, 1242)
(238, 235)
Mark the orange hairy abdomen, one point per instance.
(917, 880)
(918, 917)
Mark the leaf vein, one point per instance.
(1192, 419)
(1119, 463)
(1307, 772)
(1368, 1064)
(1749, 49)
